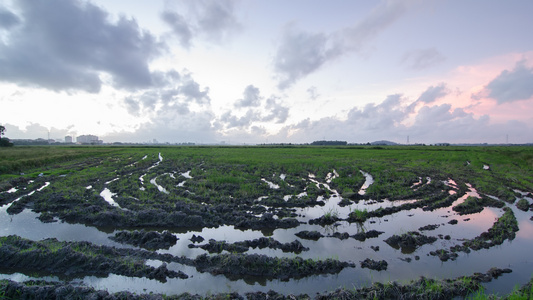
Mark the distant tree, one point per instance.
(4, 142)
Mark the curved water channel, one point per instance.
(513, 254)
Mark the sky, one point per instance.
(250, 71)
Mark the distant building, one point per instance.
(88, 139)
(68, 139)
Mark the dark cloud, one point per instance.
(180, 27)
(191, 90)
(217, 19)
(8, 19)
(257, 111)
(132, 106)
(423, 58)
(301, 53)
(179, 92)
(433, 93)
(276, 111)
(377, 21)
(430, 115)
(214, 20)
(512, 85)
(65, 45)
(251, 97)
(379, 117)
(232, 121)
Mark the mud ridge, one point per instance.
(214, 246)
(75, 259)
(409, 241)
(239, 265)
(151, 240)
(422, 288)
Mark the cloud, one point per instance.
(251, 97)
(8, 19)
(379, 117)
(231, 121)
(276, 111)
(177, 96)
(66, 45)
(217, 19)
(179, 26)
(214, 20)
(394, 120)
(132, 106)
(512, 85)
(378, 20)
(257, 111)
(313, 92)
(191, 90)
(301, 53)
(171, 126)
(35, 131)
(433, 93)
(423, 58)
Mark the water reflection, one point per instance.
(28, 226)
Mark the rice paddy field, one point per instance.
(266, 222)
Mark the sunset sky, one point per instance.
(268, 71)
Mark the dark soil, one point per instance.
(362, 236)
(151, 240)
(474, 205)
(340, 235)
(408, 242)
(429, 227)
(309, 235)
(374, 265)
(75, 259)
(423, 288)
(239, 247)
(522, 205)
(197, 238)
(324, 220)
(239, 265)
(504, 228)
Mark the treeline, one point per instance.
(329, 143)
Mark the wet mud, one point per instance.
(302, 224)
(422, 288)
(151, 240)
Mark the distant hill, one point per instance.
(385, 143)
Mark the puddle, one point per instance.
(108, 197)
(160, 188)
(516, 252)
(368, 181)
(12, 190)
(271, 184)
